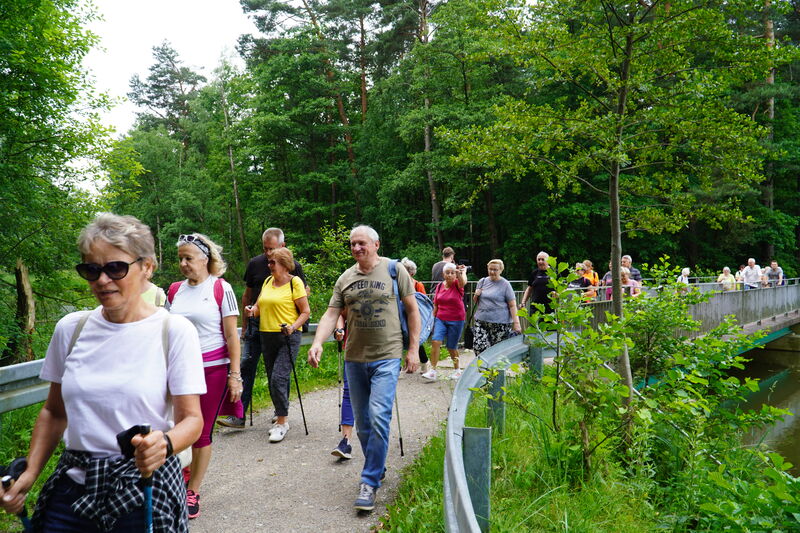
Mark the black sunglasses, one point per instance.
(113, 269)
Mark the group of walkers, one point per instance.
(183, 367)
(180, 367)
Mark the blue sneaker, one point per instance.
(366, 498)
(343, 450)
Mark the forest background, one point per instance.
(415, 118)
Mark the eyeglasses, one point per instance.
(113, 269)
(197, 241)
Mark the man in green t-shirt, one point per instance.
(374, 348)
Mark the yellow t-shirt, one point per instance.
(276, 305)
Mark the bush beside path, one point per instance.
(297, 485)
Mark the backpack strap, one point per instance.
(219, 292)
(78, 329)
(173, 289)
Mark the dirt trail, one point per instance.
(296, 485)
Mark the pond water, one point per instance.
(780, 388)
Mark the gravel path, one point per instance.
(296, 485)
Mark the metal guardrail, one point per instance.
(458, 509)
(20, 385)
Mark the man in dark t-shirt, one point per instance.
(254, 276)
(538, 290)
(448, 256)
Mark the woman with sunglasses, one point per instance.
(282, 308)
(209, 303)
(122, 364)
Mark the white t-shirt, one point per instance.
(752, 275)
(197, 303)
(116, 376)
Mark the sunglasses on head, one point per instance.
(113, 269)
(197, 241)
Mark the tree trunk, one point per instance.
(768, 194)
(348, 136)
(436, 216)
(235, 182)
(19, 347)
(623, 362)
(362, 63)
(494, 240)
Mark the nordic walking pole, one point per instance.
(296, 383)
(13, 471)
(399, 429)
(124, 441)
(339, 372)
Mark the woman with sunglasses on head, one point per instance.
(282, 308)
(122, 364)
(209, 303)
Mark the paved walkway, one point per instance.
(296, 485)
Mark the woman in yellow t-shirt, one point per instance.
(282, 308)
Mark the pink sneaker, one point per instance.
(193, 503)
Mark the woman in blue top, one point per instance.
(496, 311)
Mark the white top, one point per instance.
(752, 275)
(197, 303)
(116, 376)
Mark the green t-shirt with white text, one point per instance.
(373, 323)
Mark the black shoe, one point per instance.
(366, 498)
(343, 450)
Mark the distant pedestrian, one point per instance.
(751, 275)
(448, 256)
(496, 311)
(582, 286)
(374, 348)
(449, 315)
(726, 280)
(538, 289)
(590, 274)
(630, 286)
(627, 262)
(773, 274)
(411, 267)
(740, 277)
(683, 277)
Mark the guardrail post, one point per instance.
(496, 409)
(535, 359)
(478, 469)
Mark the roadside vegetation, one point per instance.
(579, 455)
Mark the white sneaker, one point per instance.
(430, 375)
(278, 431)
(457, 374)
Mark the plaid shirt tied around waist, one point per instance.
(113, 489)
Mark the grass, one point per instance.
(528, 493)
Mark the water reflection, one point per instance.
(780, 388)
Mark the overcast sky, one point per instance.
(202, 31)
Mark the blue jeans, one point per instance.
(251, 354)
(347, 407)
(60, 518)
(372, 389)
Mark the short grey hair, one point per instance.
(216, 264)
(371, 233)
(448, 266)
(624, 270)
(125, 232)
(273, 232)
(629, 258)
(726, 268)
(545, 254)
(409, 264)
